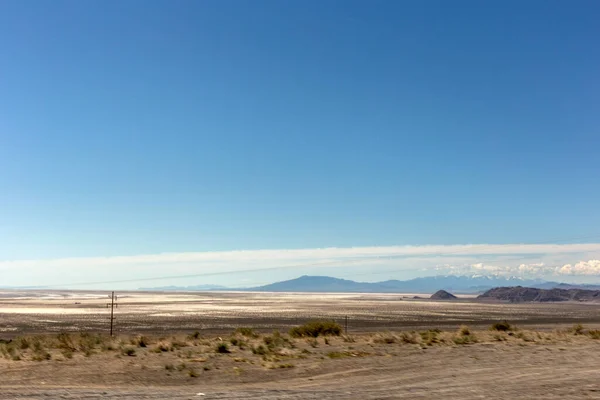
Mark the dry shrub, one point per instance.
(431, 337)
(23, 343)
(223, 348)
(248, 332)
(464, 330)
(464, 336)
(385, 338)
(163, 347)
(594, 333)
(277, 341)
(65, 342)
(577, 329)
(260, 350)
(194, 336)
(409, 337)
(525, 336)
(316, 329)
(129, 351)
(348, 339)
(141, 341)
(503, 326)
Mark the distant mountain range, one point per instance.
(521, 294)
(450, 283)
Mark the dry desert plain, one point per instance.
(189, 345)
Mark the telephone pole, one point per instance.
(112, 306)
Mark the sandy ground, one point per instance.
(33, 311)
(564, 369)
(543, 360)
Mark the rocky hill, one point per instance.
(519, 294)
(442, 295)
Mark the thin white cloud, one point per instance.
(333, 254)
(400, 262)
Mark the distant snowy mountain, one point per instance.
(454, 284)
(430, 284)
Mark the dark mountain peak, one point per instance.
(442, 295)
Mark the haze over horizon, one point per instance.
(361, 140)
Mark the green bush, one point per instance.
(317, 328)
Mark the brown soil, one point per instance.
(501, 365)
(543, 359)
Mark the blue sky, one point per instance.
(139, 128)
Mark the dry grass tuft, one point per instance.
(248, 332)
(385, 338)
(317, 328)
(409, 337)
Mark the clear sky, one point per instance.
(146, 127)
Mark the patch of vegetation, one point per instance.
(192, 373)
(336, 354)
(499, 337)
(23, 343)
(142, 341)
(67, 353)
(409, 338)
(194, 336)
(577, 329)
(65, 341)
(286, 365)
(41, 356)
(129, 351)
(260, 350)
(223, 348)
(348, 339)
(314, 343)
(594, 333)
(276, 341)
(526, 337)
(317, 328)
(464, 336)
(503, 326)
(162, 347)
(430, 337)
(385, 338)
(248, 332)
(464, 339)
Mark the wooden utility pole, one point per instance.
(346, 326)
(112, 306)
